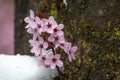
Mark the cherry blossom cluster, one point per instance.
(47, 38)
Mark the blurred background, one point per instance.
(7, 26)
(93, 25)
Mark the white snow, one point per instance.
(22, 67)
(65, 2)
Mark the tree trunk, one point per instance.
(93, 25)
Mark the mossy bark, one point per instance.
(93, 25)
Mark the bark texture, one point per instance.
(93, 25)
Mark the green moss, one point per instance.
(54, 13)
(96, 34)
(85, 24)
(108, 23)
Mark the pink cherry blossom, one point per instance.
(50, 25)
(53, 61)
(56, 39)
(53, 35)
(70, 51)
(58, 30)
(31, 17)
(32, 42)
(39, 47)
(40, 24)
(64, 45)
(38, 30)
(33, 31)
(30, 20)
(41, 60)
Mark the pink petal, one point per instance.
(73, 56)
(27, 19)
(64, 46)
(36, 51)
(29, 30)
(68, 45)
(54, 25)
(52, 66)
(57, 56)
(44, 52)
(45, 45)
(47, 62)
(60, 33)
(41, 40)
(50, 30)
(27, 26)
(59, 63)
(40, 31)
(61, 39)
(60, 26)
(51, 18)
(32, 50)
(51, 38)
(50, 55)
(32, 42)
(44, 28)
(69, 57)
(37, 19)
(35, 36)
(32, 24)
(32, 14)
(74, 49)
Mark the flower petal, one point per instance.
(45, 45)
(52, 66)
(47, 62)
(69, 57)
(74, 49)
(30, 30)
(32, 24)
(51, 38)
(59, 63)
(32, 14)
(27, 19)
(50, 55)
(50, 30)
(37, 19)
(51, 18)
(60, 26)
(44, 52)
(41, 40)
(61, 39)
(73, 56)
(57, 56)
(60, 33)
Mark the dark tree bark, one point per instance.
(93, 25)
(21, 37)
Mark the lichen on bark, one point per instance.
(93, 25)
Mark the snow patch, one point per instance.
(23, 67)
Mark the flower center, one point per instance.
(56, 38)
(62, 44)
(40, 46)
(35, 30)
(49, 25)
(43, 58)
(54, 60)
(69, 51)
(55, 30)
(39, 26)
